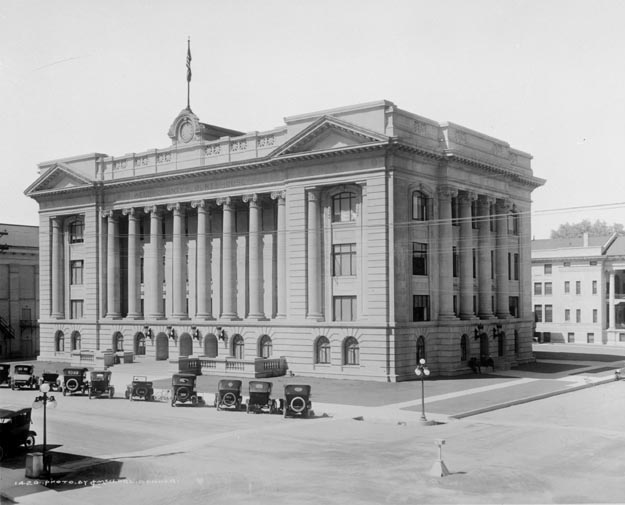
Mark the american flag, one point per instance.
(189, 61)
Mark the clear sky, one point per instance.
(547, 76)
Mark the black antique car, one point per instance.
(297, 400)
(260, 398)
(75, 380)
(100, 384)
(228, 394)
(5, 374)
(140, 388)
(183, 389)
(51, 379)
(15, 429)
(24, 377)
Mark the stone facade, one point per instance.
(349, 241)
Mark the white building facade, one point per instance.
(579, 290)
(350, 241)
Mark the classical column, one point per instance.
(133, 278)
(485, 283)
(280, 196)
(501, 260)
(255, 267)
(227, 261)
(465, 251)
(56, 268)
(445, 273)
(153, 276)
(178, 259)
(203, 275)
(611, 308)
(113, 299)
(314, 257)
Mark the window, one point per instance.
(265, 347)
(493, 216)
(567, 287)
(142, 269)
(344, 207)
(76, 232)
(419, 258)
(474, 259)
(548, 288)
(578, 316)
(118, 342)
(455, 221)
(594, 287)
(517, 267)
(344, 259)
(594, 315)
(621, 337)
(76, 308)
(463, 348)
(454, 261)
(548, 313)
(578, 287)
(548, 268)
(322, 351)
(567, 314)
(238, 347)
(492, 264)
(419, 206)
(570, 338)
(59, 345)
(420, 308)
(474, 215)
(509, 266)
(538, 313)
(513, 223)
(538, 288)
(76, 272)
(590, 338)
(513, 304)
(75, 341)
(344, 308)
(351, 351)
(26, 314)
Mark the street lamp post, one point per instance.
(44, 401)
(422, 371)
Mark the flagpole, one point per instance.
(189, 73)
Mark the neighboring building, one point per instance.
(19, 291)
(352, 241)
(579, 289)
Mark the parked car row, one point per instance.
(23, 376)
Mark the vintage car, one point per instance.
(24, 377)
(100, 384)
(228, 394)
(75, 381)
(140, 388)
(5, 374)
(51, 379)
(297, 400)
(183, 389)
(15, 429)
(260, 398)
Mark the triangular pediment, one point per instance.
(329, 133)
(58, 177)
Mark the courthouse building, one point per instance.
(351, 242)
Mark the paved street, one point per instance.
(534, 452)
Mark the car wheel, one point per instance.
(173, 403)
(29, 443)
(64, 391)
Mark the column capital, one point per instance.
(279, 195)
(131, 212)
(107, 213)
(252, 199)
(313, 194)
(486, 199)
(224, 201)
(201, 204)
(152, 209)
(176, 207)
(504, 204)
(446, 191)
(465, 196)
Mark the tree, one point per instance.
(572, 230)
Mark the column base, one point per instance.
(205, 316)
(447, 317)
(315, 317)
(230, 317)
(134, 315)
(155, 316)
(501, 315)
(485, 315)
(256, 317)
(467, 317)
(113, 316)
(180, 317)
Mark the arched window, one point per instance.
(420, 348)
(419, 206)
(464, 347)
(322, 350)
(118, 342)
(344, 207)
(265, 347)
(76, 341)
(59, 344)
(351, 351)
(238, 347)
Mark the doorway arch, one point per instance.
(186, 345)
(211, 349)
(139, 346)
(162, 347)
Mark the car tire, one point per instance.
(64, 391)
(72, 385)
(29, 443)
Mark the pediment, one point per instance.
(329, 133)
(58, 177)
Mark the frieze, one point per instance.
(419, 127)
(239, 145)
(141, 162)
(189, 188)
(266, 141)
(163, 158)
(120, 165)
(212, 150)
(460, 137)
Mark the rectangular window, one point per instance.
(344, 259)
(77, 270)
(492, 216)
(509, 266)
(538, 288)
(538, 313)
(455, 221)
(595, 315)
(578, 287)
(419, 258)
(420, 308)
(344, 308)
(594, 287)
(567, 314)
(454, 261)
(474, 215)
(548, 288)
(474, 253)
(76, 232)
(455, 304)
(419, 206)
(570, 338)
(76, 307)
(344, 207)
(578, 316)
(514, 306)
(621, 337)
(548, 268)
(517, 266)
(548, 313)
(492, 264)
(567, 287)
(590, 338)
(142, 269)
